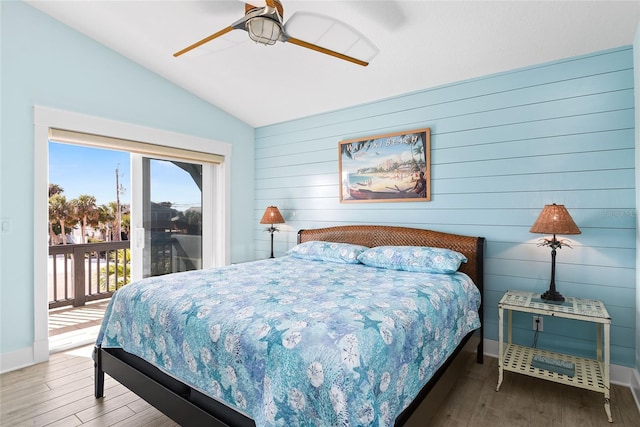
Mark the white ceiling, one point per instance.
(422, 44)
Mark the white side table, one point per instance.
(589, 374)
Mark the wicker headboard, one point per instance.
(381, 235)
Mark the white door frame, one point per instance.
(219, 176)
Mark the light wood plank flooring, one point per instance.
(60, 393)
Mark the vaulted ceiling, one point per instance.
(421, 44)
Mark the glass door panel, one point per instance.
(171, 216)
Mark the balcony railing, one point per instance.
(172, 254)
(86, 272)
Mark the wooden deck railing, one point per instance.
(167, 255)
(85, 272)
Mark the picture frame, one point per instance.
(393, 167)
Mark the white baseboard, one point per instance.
(16, 360)
(41, 350)
(38, 352)
(635, 387)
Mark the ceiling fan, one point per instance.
(265, 25)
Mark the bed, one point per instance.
(310, 357)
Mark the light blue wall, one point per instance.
(47, 63)
(636, 66)
(503, 146)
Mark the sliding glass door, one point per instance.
(167, 215)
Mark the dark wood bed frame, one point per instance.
(189, 407)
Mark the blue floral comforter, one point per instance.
(293, 342)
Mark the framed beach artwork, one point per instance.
(394, 167)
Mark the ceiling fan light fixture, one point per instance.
(265, 26)
(264, 30)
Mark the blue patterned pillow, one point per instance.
(413, 258)
(345, 253)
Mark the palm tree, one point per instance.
(53, 190)
(125, 220)
(85, 210)
(60, 210)
(418, 149)
(52, 219)
(106, 217)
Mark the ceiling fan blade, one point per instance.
(326, 51)
(204, 40)
(254, 3)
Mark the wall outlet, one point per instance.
(537, 323)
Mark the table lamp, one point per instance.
(272, 216)
(554, 219)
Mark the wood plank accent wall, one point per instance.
(502, 146)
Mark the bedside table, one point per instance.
(589, 374)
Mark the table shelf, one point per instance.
(588, 372)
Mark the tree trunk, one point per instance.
(52, 235)
(62, 231)
(83, 229)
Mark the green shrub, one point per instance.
(115, 271)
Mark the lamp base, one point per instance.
(552, 295)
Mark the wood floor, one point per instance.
(68, 319)
(60, 393)
(71, 327)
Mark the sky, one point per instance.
(83, 170)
